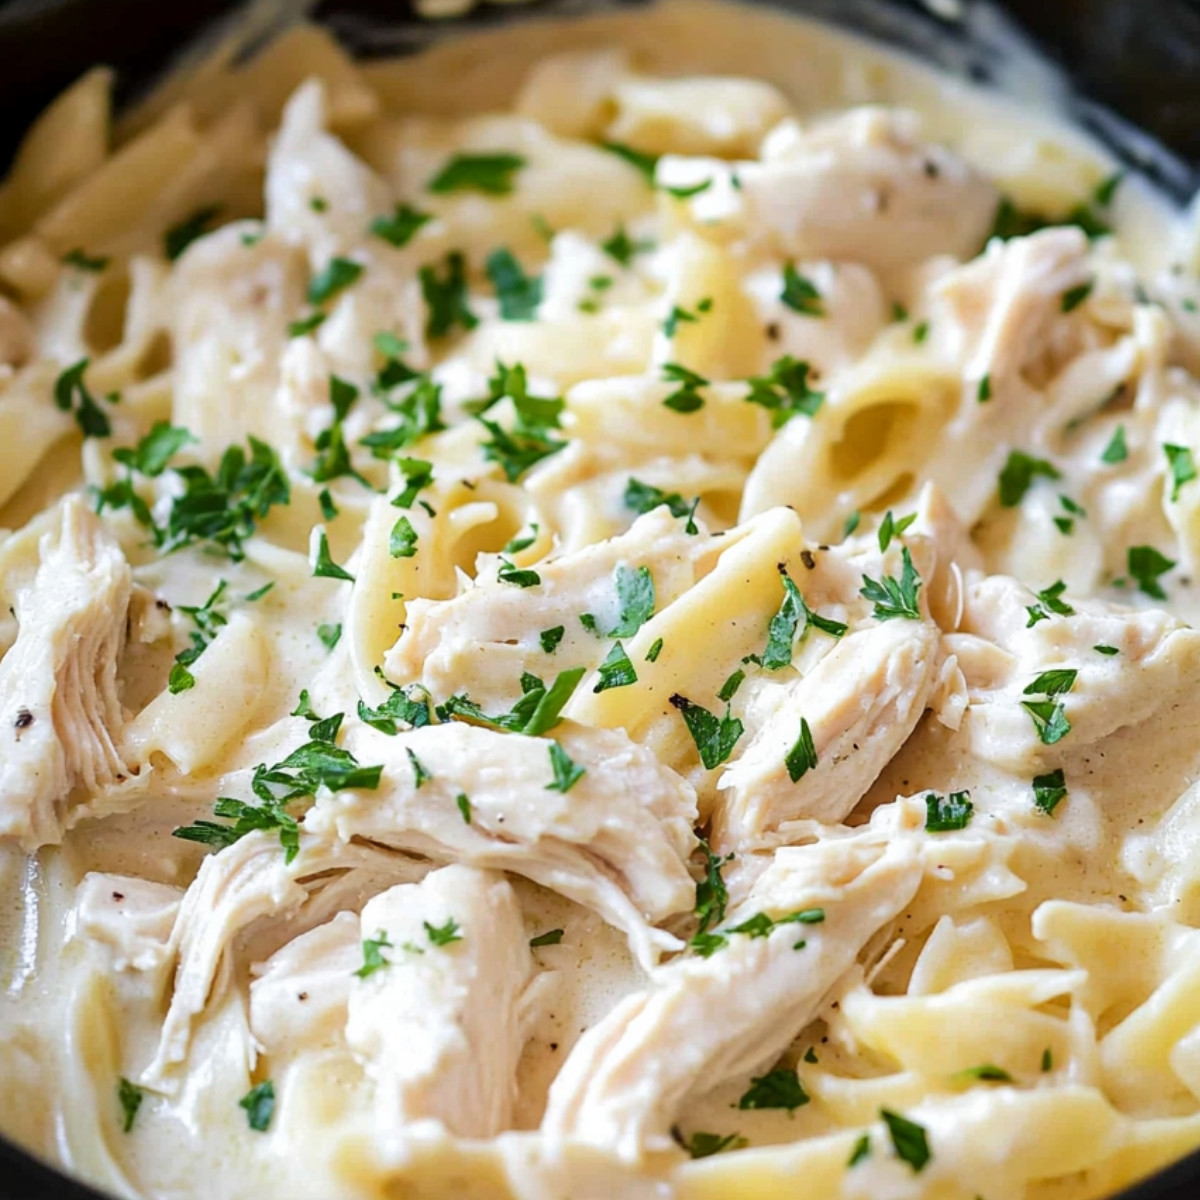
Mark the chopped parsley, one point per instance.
(82, 261)
(985, 1072)
(373, 957)
(890, 528)
(1049, 790)
(491, 174)
(949, 813)
(566, 773)
(677, 314)
(921, 332)
(519, 294)
(323, 566)
(655, 650)
(1108, 651)
(894, 599)
(645, 164)
(337, 275)
(464, 806)
(1090, 215)
(712, 896)
(730, 687)
(306, 324)
(522, 578)
(705, 1145)
(1072, 298)
(1116, 451)
(402, 543)
(319, 763)
(1051, 601)
(852, 522)
(443, 935)
(221, 509)
(537, 712)
(686, 398)
(446, 297)
(1047, 713)
(984, 392)
(687, 190)
(1183, 468)
(1047, 1060)
(418, 475)
(1145, 566)
(152, 455)
(531, 438)
(908, 1139)
(552, 937)
(644, 497)
(861, 1151)
(616, 670)
(399, 706)
(793, 616)
(635, 598)
(758, 926)
(784, 391)
(800, 294)
(208, 619)
(401, 227)
(421, 774)
(776, 1089)
(71, 395)
(802, 756)
(179, 237)
(420, 413)
(259, 1103)
(621, 248)
(549, 639)
(329, 634)
(129, 1097)
(1018, 475)
(715, 737)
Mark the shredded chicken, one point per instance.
(705, 1020)
(60, 715)
(439, 1029)
(617, 842)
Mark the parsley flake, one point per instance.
(1049, 790)
(890, 528)
(784, 391)
(705, 1145)
(82, 261)
(861, 1151)
(793, 615)
(644, 497)
(776, 1089)
(645, 164)
(179, 237)
(1183, 468)
(1072, 298)
(1018, 475)
(1145, 565)
(566, 773)
(715, 737)
(401, 227)
(130, 1097)
(894, 599)
(949, 813)
(1051, 602)
(985, 1072)
(519, 294)
(655, 650)
(446, 297)
(508, 573)
(635, 597)
(329, 634)
(802, 756)
(373, 957)
(337, 275)
(491, 174)
(686, 398)
(418, 475)
(1108, 651)
(259, 1103)
(1116, 451)
(71, 395)
(800, 294)
(464, 806)
(402, 542)
(616, 670)
(549, 639)
(908, 1140)
(552, 937)
(421, 774)
(443, 935)
(323, 566)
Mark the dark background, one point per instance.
(1140, 58)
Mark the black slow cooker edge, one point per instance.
(1139, 59)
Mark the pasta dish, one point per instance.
(601, 611)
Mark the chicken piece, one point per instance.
(232, 305)
(237, 887)
(617, 842)
(1157, 664)
(298, 998)
(132, 917)
(1003, 312)
(703, 1021)
(60, 716)
(481, 641)
(861, 702)
(862, 187)
(439, 1029)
